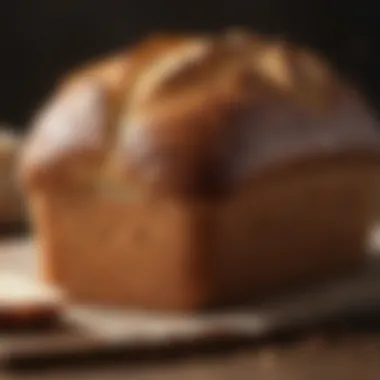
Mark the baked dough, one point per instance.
(195, 171)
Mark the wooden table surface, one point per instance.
(351, 356)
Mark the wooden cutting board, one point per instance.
(86, 333)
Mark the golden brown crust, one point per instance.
(173, 109)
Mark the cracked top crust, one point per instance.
(195, 114)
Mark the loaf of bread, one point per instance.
(195, 171)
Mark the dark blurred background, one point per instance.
(42, 39)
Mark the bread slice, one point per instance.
(201, 170)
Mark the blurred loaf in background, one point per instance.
(11, 204)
